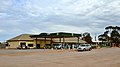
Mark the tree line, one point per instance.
(111, 36)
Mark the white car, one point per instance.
(84, 47)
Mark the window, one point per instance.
(30, 45)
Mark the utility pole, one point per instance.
(95, 38)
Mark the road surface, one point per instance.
(104, 57)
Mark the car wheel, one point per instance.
(84, 49)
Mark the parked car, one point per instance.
(57, 46)
(84, 47)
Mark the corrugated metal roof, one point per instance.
(25, 37)
(22, 37)
(56, 35)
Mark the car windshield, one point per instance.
(87, 45)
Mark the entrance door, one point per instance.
(38, 46)
(22, 45)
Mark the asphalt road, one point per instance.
(105, 57)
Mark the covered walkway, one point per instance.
(60, 36)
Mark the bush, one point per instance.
(94, 46)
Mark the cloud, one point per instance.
(35, 16)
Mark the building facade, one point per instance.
(40, 41)
(25, 40)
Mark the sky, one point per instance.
(74, 16)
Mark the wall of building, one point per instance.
(41, 42)
(13, 44)
(27, 42)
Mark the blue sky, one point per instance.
(36, 16)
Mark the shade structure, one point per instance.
(61, 36)
(56, 35)
(69, 40)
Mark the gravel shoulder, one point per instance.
(104, 57)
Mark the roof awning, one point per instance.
(56, 35)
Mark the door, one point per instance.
(38, 46)
(22, 45)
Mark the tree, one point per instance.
(117, 28)
(87, 37)
(109, 28)
(103, 37)
(114, 36)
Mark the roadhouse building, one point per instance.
(44, 39)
